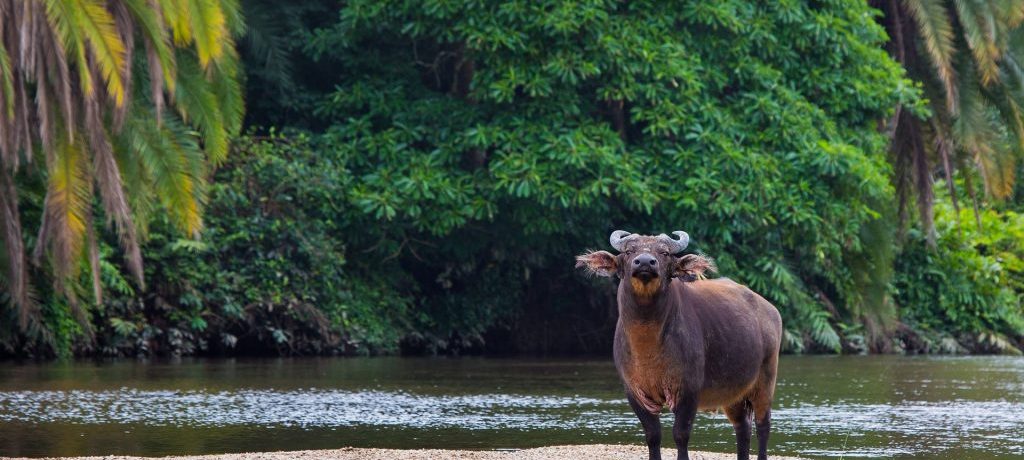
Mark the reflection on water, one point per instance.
(827, 407)
(312, 408)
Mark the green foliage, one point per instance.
(102, 105)
(446, 161)
(723, 119)
(271, 273)
(486, 143)
(966, 55)
(970, 285)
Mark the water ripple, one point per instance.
(904, 428)
(910, 427)
(306, 408)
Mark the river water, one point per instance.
(826, 406)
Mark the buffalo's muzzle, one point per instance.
(645, 275)
(644, 267)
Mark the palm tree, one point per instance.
(109, 117)
(968, 55)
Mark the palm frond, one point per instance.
(1012, 12)
(23, 117)
(266, 43)
(209, 29)
(980, 31)
(137, 184)
(176, 14)
(61, 17)
(913, 168)
(94, 265)
(972, 129)
(998, 169)
(66, 83)
(68, 197)
(1009, 97)
(17, 270)
(159, 50)
(936, 31)
(227, 87)
(175, 165)
(233, 16)
(125, 25)
(108, 178)
(9, 124)
(197, 103)
(96, 25)
(985, 140)
(6, 82)
(53, 57)
(943, 143)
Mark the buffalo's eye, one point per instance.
(664, 253)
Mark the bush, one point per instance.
(470, 150)
(270, 274)
(458, 155)
(497, 140)
(964, 294)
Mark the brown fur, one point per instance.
(598, 263)
(690, 343)
(649, 366)
(693, 267)
(645, 290)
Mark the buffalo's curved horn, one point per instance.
(620, 237)
(676, 245)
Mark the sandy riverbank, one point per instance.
(590, 452)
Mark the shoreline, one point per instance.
(589, 451)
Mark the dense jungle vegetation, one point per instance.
(417, 176)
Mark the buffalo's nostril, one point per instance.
(645, 260)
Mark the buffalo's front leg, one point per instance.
(685, 410)
(651, 423)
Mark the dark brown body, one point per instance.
(687, 343)
(703, 344)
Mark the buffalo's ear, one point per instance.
(691, 267)
(600, 263)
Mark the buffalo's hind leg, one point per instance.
(761, 401)
(652, 426)
(764, 427)
(763, 419)
(740, 414)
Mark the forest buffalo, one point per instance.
(688, 343)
